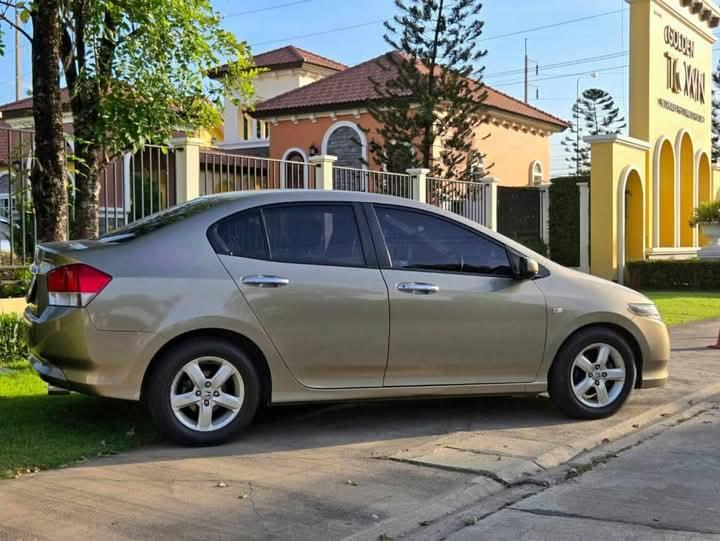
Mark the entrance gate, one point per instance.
(520, 214)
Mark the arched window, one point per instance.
(348, 142)
(294, 169)
(536, 173)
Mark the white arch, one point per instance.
(696, 188)
(656, 188)
(536, 168)
(347, 124)
(678, 174)
(284, 158)
(622, 186)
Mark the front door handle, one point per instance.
(417, 288)
(261, 280)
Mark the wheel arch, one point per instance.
(251, 348)
(622, 331)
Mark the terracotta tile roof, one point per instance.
(354, 86)
(17, 108)
(290, 55)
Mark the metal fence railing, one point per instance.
(364, 180)
(132, 186)
(464, 198)
(222, 172)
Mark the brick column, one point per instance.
(187, 168)
(418, 179)
(323, 171)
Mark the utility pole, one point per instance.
(527, 78)
(18, 56)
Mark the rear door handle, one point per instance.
(261, 280)
(417, 288)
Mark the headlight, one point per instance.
(644, 310)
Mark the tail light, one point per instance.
(75, 285)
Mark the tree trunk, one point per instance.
(47, 179)
(85, 223)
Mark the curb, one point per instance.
(483, 487)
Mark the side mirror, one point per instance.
(526, 268)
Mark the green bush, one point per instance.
(706, 213)
(13, 338)
(686, 274)
(14, 282)
(565, 220)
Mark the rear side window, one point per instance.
(240, 235)
(418, 241)
(314, 235)
(305, 234)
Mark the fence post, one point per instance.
(491, 202)
(187, 167)
(418, 179)
(584, 226)
(545, 212)
(323, 171)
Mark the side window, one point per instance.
(417, 241)
(314, 235)
(240, 235)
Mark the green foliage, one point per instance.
(595, 113)
(565, 220)
(684, 274)
(536, 244)
(13, 338)
(142, 66)
(706, 213)
(15, 282)
(433, 88)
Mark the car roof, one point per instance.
(282, 196)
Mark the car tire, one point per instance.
(585, 378)
(203, 392)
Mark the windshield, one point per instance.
(161, 219)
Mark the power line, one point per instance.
(320, 33)
(578, 74)
(564, 64)
(553, 25)
(268, 8)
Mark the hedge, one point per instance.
(13, 338)
(14, 282)
(565, 220)
(675, 274)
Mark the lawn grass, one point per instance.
(677, 307)
(38, 431)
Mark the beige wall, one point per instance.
(512, 151)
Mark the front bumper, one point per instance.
(67, 351)
(655, 345)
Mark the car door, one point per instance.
(457, 314)
(310, 275)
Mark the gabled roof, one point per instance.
(354, 86)
(23, 107)
(291, 56)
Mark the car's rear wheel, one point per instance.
(593, 374)
(203, 392)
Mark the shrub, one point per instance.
(14, 282)
(685, 274)
(13, 338)
(565, 220)
(706, 213)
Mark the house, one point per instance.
(330, 116)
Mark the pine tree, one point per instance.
(433, 92)
(595, 113)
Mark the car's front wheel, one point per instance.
(593, 374)
(203, 392)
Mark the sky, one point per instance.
(351, 31)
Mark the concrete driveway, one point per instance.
(328, 472)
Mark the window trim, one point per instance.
(352, 125)
(384, 252)
(362, 228)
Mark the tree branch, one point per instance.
(5, 19)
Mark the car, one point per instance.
(216, 308)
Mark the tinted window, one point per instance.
(241, 235)
(418, 241)
(314, 234)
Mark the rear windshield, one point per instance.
(161, 219)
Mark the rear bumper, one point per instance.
(67, 351)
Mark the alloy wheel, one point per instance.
(207, 394)
(598, 375)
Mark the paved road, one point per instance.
(665, 488)
(326, 472)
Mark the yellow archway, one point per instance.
(665, 194)
(686, 188)
(704, 186)
(631, 219)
